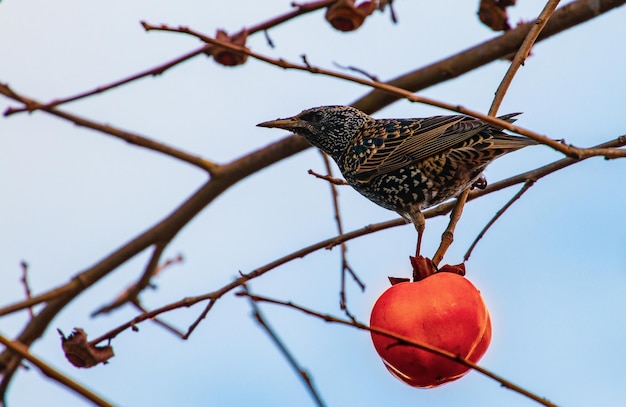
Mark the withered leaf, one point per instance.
(456, 269)
(226, 56)
(345, 15)
(493, 14)
(81, 353)
(398, 280)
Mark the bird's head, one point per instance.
(330, 128)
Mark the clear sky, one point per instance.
(552, 270)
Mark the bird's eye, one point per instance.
(313, 117)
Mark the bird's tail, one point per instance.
(509, 117)
(509, 142)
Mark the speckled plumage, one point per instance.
(405, 165)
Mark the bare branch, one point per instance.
(160, 69)
(518, 60)
(363, 72)
(130, 294)
(527, 185)
(503, 45)
(222, 177)
(159, 322)
(157, 70)
(303, 374)
(404, 340)
(129, 137)
(34, 331)
(21, 350)
(300, 9)
(439, 210)
(345, 266)
(332, 180)
(24, 280)
(568, 150)
(522, 53)
(203, 315)
(38, 299)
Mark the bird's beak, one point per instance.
(288, 124)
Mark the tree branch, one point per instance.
(21, 350)
(506, 44)
(518, 60)
(399, 92)
(302, 374)
(157, 70)
(518, 195)
(127, 136)
(522, 53)
(299, 10)
(330, 243)
(406, 341)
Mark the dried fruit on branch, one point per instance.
(344, 15)
(227, 56)
(493, 14)
(81, 353)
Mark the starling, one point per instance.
(405, 165)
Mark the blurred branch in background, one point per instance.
(402, 340)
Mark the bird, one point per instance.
(405, 165)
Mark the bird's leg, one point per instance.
(448, 235)
(417, 217)
(480, 183)
(422, 267)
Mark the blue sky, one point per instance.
(552, 270)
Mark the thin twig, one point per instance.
(132, 138)
(439, 210)
(448, 235)
(27, 290)
(529, 183)
(363, 72)
(300, 8)
(160, 69)
(522, 54)
(345, 266)
(159, 322)
(205, 312)
(157, 70)
(405, 341)
(332, 180)
(302, 374)
(20, 349)
(392, 12)
(131, 293)
(566, 17)
(37, 299)
(9, 369)
(568, 150)
(268, 39)
(186, 302)
(518, 60)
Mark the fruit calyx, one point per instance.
(424, 267)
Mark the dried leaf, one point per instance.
(456, 269)
(422, 267)
(81, 353)
(398, 280)
(493, 14)
(226, 56)
(344, 15)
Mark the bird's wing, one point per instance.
(389, 145)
